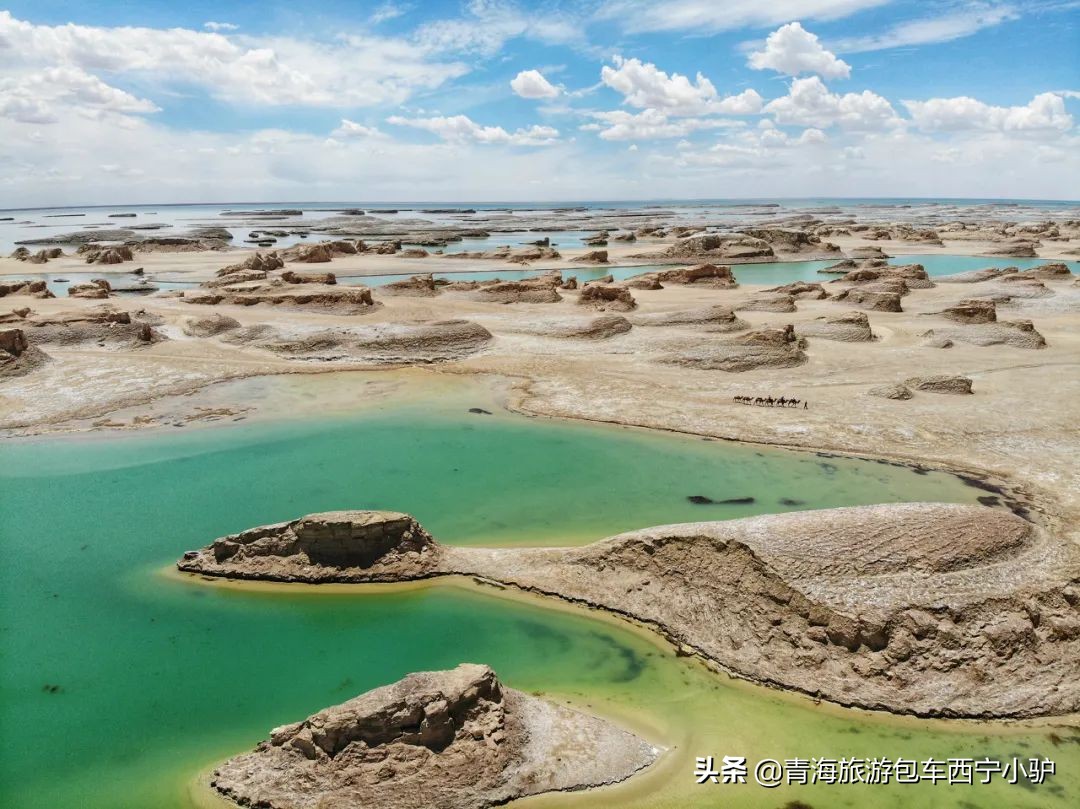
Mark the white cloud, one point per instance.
(723, 15)
(388, 11)
(650, 124)
(792, 50)
(351, 71)
(489, 24)
(351, 129)
(461, 128)
(37, 97)
(969, 20)
(810, 103)
(532, 84)
(1045, 113)
(220, 26)
(644, 85)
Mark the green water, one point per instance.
(158, 678)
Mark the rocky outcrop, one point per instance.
(355, 546)
(17, 356)
(709, 318)
(1015, 249)
(941, 383)
(707, 275)
(785, 242)
(102, 326)
(850, 327)
(258, 263)
(1017, 334)
(381, 344)
(416, 286)
(40, 257)
(209, 325)
(33, 289)
(455, 739)
(872, 299)
(606, 298)
(276, 292)
(975, 276)
(911, 276)
(533, 290)
(764, 348)
(768, 302)
(290, 277)
(971, 311)
(891, 392)
(583, 328)
(96, 289)
(868, 251)
(593, 257)
(801, 289)
(713, 246)
(105, 254)
(1055, 271)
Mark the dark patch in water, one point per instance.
(633, 663)
(791, 501)
(1019, 509)
(918, 470)
(50, 688)
(480, 411)
(829, 469)
(796, 805)
(976, 483)
(989, 499)
(702, 500)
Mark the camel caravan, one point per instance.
(769, 401)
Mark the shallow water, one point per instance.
(775, 273)
(159, 677)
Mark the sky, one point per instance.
(493, 100)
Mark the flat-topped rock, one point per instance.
(456, 739)
(941, 383)
(1015, 333)
(764, 348)
(709, 318)
(850, 327)
(709, 275)
(605, 298)
(330, 546)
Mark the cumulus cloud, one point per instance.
(650, 124)
(792, 50)
(1045, 113)
(351, 71)
(461, 128)
(351, 129)
(36, 97)
(644, 85)
(532, 84)
(810, 103)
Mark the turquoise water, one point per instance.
(58, 283)
(118, 684)
(775, 273)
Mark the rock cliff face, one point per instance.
(357, 546)
(455, 739)
(933, 609)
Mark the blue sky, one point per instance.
(491, 99)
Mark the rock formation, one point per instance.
(417, 286)
(533, 290)
(209, 325)
(765, 348)
(276, 292)
(380, 344)
(1018, 334)
(593, 257)
(96, 289)
(941, 383)
(710, 318)
(34, 289)
(768, 302)
(850, 327)
(40, 257)
(455, 739)
(971, 311)
(713, 246)
(709, 275)
(17, 356)
(875, 300)
(891, 392)
(105, 327)
(975, 276)
(585, 328)
(607, 298)
(105, 254)
(801, 289)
